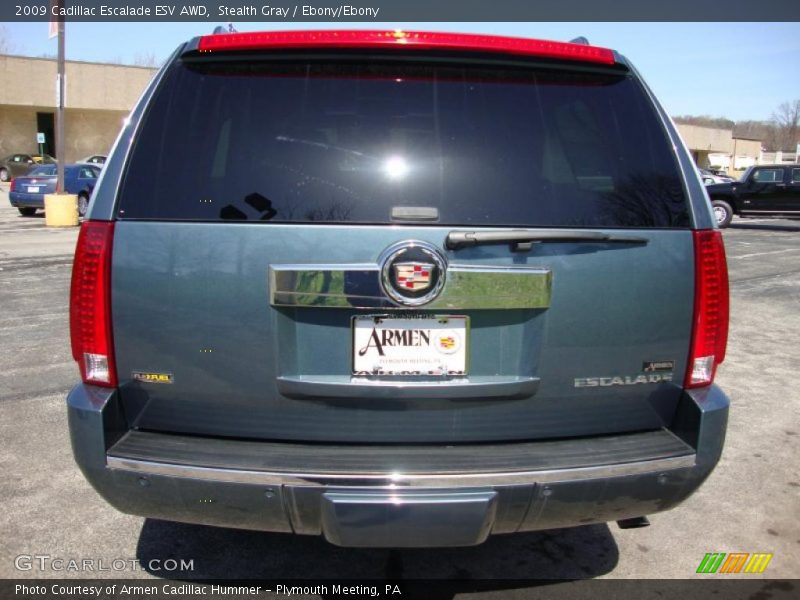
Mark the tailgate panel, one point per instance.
(193, 300)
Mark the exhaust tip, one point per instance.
(633, 523)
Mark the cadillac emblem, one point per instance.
(413, 276)
(412, 272)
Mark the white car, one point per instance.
(94, 159)
(709, 178)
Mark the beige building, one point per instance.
(98, 98)
(717, 148)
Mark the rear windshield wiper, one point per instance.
(523, 239)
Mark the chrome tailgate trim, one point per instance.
(467, 287)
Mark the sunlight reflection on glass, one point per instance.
(395, 167)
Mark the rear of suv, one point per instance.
(397, 289)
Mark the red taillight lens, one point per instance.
(13, 185)
(90, 304)
(711, 309)
(410, 40)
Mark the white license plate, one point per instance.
(33, 189)
(429, 345)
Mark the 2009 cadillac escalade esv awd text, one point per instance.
(397, 289)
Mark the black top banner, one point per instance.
(400, 10)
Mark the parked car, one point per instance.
(15, 165)
(398, 290)
(764, 191)
(27, 193)
(707, 180)
(94, 159)
(709, 177)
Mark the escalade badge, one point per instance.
(412, 272)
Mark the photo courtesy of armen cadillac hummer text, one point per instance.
(398, 289)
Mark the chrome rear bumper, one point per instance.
(399, 479)
(395, 495)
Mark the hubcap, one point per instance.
(720, 213)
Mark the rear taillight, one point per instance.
(711, 310)
(13, 185)
(90, 304)
(406, 40)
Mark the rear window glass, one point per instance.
(343, 143)
(47, 170)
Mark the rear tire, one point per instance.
(4, 175)
(723, 212)
(83, 205)
(27, 211)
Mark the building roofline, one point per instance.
(80, 62)
(704, 126)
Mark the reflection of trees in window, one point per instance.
(645, 200)
(333, 212)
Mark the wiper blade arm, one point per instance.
(523, 239)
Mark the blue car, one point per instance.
(27, 193)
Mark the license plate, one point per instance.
(33, 189)
(398, 346)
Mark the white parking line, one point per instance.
(765, 253)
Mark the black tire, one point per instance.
(27, 211)
(3, 174)
(83, 204)
(723, 212)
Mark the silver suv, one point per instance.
(398, 289)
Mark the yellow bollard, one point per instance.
(61, 210)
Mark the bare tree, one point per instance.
(145, 59)
(787, 122)
(705, 121)
(764, 131)
(6, 45)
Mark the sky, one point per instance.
(739, 71)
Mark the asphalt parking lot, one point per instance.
(751, 503)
